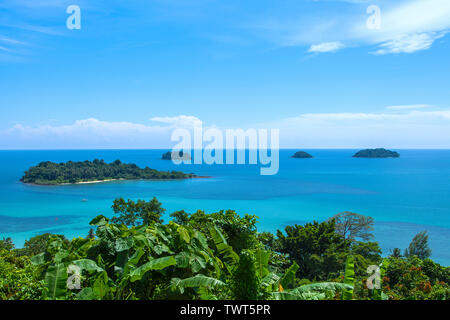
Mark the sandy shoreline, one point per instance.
(112, 180)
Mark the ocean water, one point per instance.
(404, 196)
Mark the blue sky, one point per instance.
(139, 68)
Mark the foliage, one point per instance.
(352, 225)
(245, 280)
(316, 247)
(6, 243)
(134, 213)
(181, 217)
(349, 278)
(18, 278)
(208, 256)
(419, 246)
(396, 253)
(48, 173)
(416, 279)
(301, 154)
(376, 153)
(38, 244)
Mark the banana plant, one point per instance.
(349, 278)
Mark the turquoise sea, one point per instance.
(404, 195)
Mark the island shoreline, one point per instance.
(109, 180)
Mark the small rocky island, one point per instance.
(169, 155)
(301, 155)
(51, 173)
(376, 153)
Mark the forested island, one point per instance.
(301, 155)
(169, 155)
(51, 173)
(135, 255)
(376, 153)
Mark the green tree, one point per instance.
(181, 217)
(7, 244)
(245, 282)
(419, 246)
(352, 225)
(38, 244)
(133, 213)
(18, 278)
(316, 247)
(396, 253)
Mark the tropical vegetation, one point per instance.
(376, 153)
(301, 154)
(49, 173)
(135, 255)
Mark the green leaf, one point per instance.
(60, 256)
(262, 261)
(324, 287)
(38, 259)
(88, 265)
(86, 294)
(224, 249)
(289, 275)
(100, 287)
(99, 221)
(197, 263)
(349, 278)
(270, 281)
(184, 234)
(123, 244)
(156, 264)
(56, 281)
(182, 260)
(197, 281)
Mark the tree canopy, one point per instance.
(48, 173)
(353, 225)
(419, 246)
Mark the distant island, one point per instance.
(51, 173)
(169, 155)
(376, 153)
(301, 155)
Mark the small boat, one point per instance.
(84, 200)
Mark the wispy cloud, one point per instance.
(326, 47)
(409, 107)
(94, 133)
(408, 129)
(179, 121)
(407, 26)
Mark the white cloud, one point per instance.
(409, 107)
(406, 128)
(409, 43)
(326, 47)
(93, 133)
(179, 121)
(411, 129)
(407, 26)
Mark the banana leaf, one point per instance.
(349, 278)
(262, 261)
(155, 264)
(56, 281)
(289, 275)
